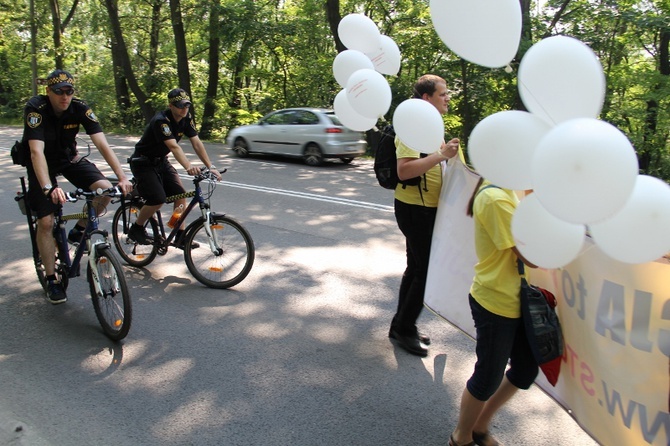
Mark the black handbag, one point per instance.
(543, 328)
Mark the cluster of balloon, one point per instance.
(360, 69)
(583, 171)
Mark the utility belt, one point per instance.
(150, 160)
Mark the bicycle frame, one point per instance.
(89, 242)
(198, 199)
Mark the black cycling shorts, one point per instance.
(81, 175)
(156, 179)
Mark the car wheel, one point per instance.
(346, 160)
(313, 155)
(241, 148)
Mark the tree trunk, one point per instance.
(213, 73)
(180, 45)
(526, 42)
(334, 17)
(57, 33)
(115, 23)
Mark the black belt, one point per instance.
(146, 159)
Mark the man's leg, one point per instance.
(45, 243)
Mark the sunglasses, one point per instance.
(181, 106)
(62, 91)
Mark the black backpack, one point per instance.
(386, 163)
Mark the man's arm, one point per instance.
(414, 167)
(200, 150)
(42, 169)
(100, 141)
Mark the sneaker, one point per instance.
(180, 244)
(139, 235)
(56, 293)
(74, 236)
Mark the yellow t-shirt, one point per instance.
(496, 284)
(429, 194)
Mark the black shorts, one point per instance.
(156, 179)
(81, 175)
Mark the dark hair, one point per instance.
(427, 84)
(471, 203)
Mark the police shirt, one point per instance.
(58, 133)
(161, 128)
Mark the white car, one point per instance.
(309, 133)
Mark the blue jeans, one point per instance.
(499, 339)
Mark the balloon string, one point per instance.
(536, 100)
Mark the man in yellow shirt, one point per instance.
(415, 211)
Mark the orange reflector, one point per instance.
(118, 322)
(134, 211)
(217, 226)
(103, 259)
(215, 269)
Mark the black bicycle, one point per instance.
(218, 251)
(107, 283)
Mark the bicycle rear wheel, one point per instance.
(223, 269)
(133, 253)
(112, 304)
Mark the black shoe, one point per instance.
(410, 344)
(424, 339)
(56, 293)
(139, 235)
(74, 236)
(180, 244)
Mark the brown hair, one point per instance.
(471, 203)
(427, 84)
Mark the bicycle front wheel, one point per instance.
(133, 253)
(233, 258)
(112, 303)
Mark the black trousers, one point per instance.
(416, 223)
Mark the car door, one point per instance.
(273, 133)
(304, 128)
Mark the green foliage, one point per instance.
(279, 53)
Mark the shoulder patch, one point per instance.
(90, 115)
(33, 120)
(166, 130)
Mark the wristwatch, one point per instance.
(47, 188)
(212, 167)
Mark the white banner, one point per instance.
(615, 375)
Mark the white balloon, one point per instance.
(419, 125)
(386, 59)
(560, 78)
(502, 145)
(359, 32)
(640, 231)
(543, 239)
(347, 63)
(348, 115)
(485, 32)
(369, 93)
(584, 170)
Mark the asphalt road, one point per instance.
(296, 354)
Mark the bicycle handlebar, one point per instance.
(206, 174)
(99, 192)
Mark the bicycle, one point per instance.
(107, 283)
(218, 251)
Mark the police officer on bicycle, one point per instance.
(155, 176)
(51, 124)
